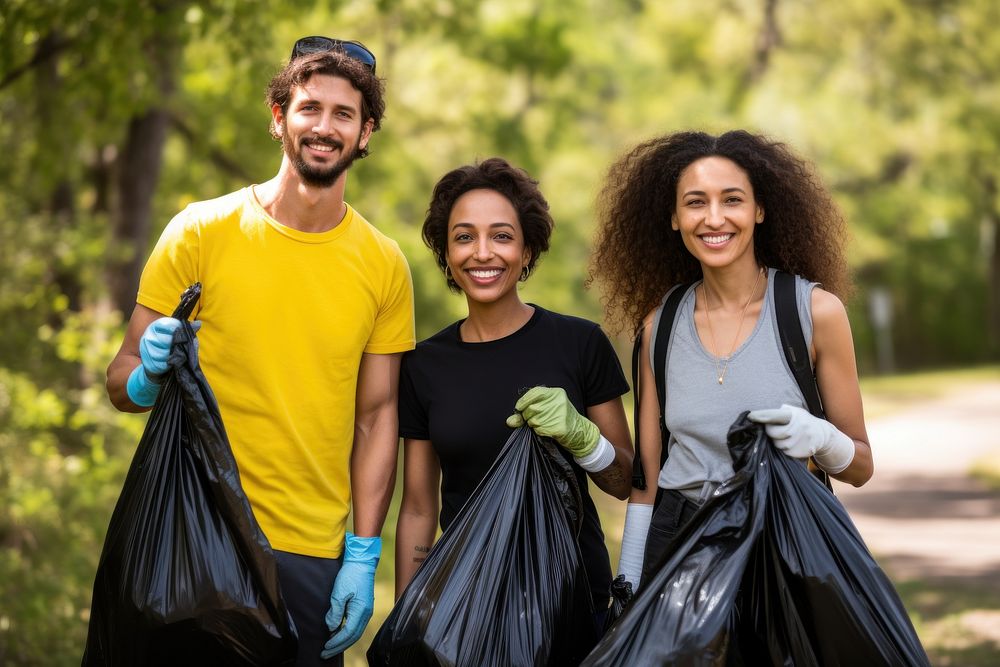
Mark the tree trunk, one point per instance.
(768, 39)
(61, 205)
(139, 164)
(138, 173)
(993, 286)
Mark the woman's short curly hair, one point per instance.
(638, 257)
(500, 176)
(334, 63)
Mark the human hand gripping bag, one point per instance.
(621, 595)
(505, 585)
(769, 571)
(186, 576)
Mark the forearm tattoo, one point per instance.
(612, 475)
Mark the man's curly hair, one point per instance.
(637, 257)
(496, 174)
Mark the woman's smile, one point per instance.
(716, 240)
(716, 212)
(486, 252)
(485, 276)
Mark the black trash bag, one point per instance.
(186, 576)
(770, 571)
(621, 595)
(505, 585)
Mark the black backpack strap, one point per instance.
(638, 476)
(660, 343)
(793, 344)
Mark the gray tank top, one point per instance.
(699, 410)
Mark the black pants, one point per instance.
(672, 511)
(306, 583)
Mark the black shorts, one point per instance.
(672, 511)
(306, 582)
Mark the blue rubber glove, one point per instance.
(154, 349)
(353, 597)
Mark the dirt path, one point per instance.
(933, 528)
(921, 514)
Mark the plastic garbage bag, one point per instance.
(621, 595)
(770, 571)
(186, 576)
(505, 585)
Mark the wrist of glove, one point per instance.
(142, 389)
(637, 519)
(144, 381)
(352, 599)
(549, 412)
(801, 435)
(600, 458)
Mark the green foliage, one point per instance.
(894, 100)
(61, 466)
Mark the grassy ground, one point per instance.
(885, 394)
(957, 620)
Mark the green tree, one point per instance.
(120, 112)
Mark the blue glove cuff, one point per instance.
(362, 549)
(140, 389)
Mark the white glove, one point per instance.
(637, 518)
(801, 435)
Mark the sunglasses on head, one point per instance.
(317, 44)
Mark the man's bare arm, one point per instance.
(376, 441)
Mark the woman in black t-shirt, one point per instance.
(487, 226)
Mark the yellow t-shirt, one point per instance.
(285, 318)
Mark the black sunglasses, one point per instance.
(317, 44)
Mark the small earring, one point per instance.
(524, 274)
(447, 272)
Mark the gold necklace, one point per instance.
(721, 374)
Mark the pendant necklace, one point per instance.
(720, 371)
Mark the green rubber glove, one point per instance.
(549, 412)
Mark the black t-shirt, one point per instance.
(458, 395)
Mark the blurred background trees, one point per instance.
(117, 113)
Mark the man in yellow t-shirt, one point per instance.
(305, 311)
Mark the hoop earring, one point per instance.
(450, 279)
(524, 274)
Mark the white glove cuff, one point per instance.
(637, 518)
(838, 454)
(599, 459)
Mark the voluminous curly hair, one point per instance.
(498, 175)
(334, 63)
(637, 257)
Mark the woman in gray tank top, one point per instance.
(721, 214)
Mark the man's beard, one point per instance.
(320, 176)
